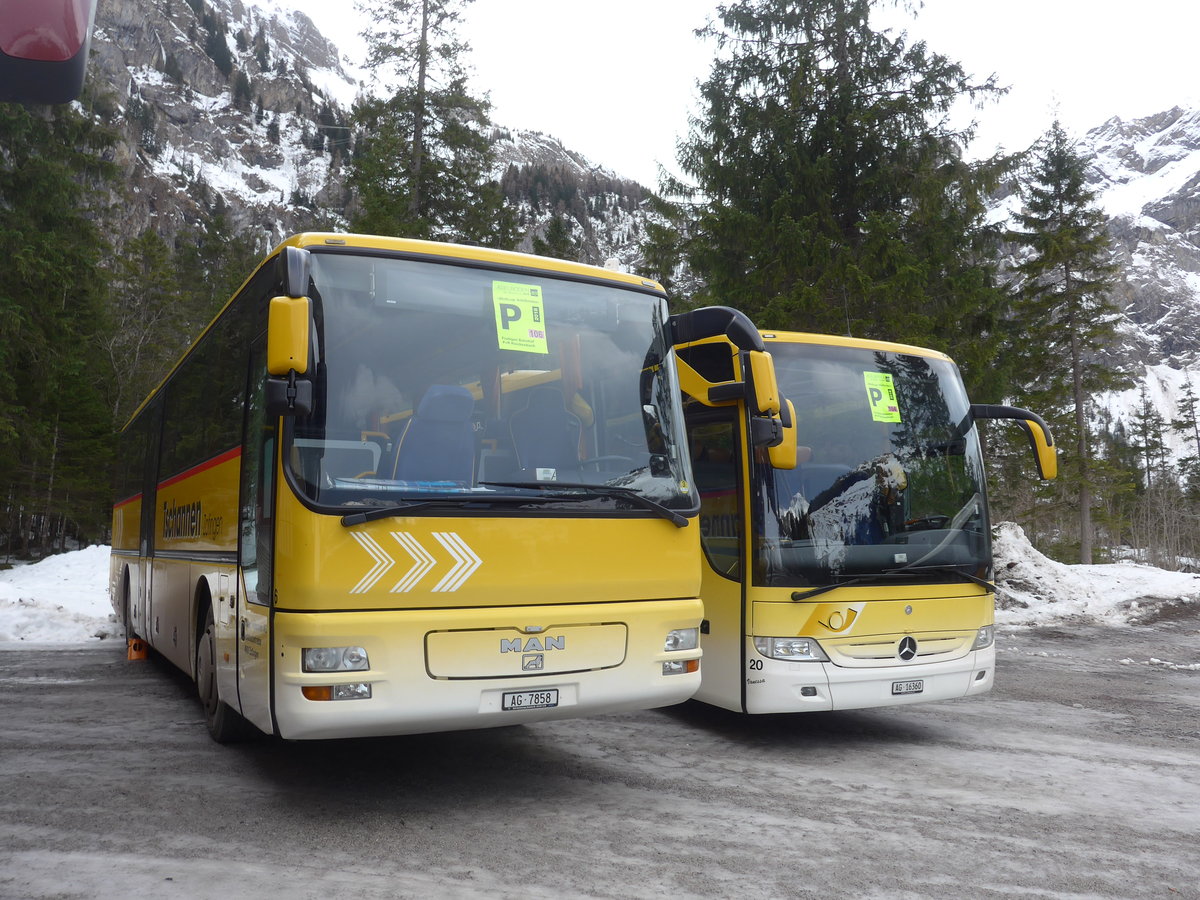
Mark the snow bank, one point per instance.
(60, 599)
(1035, 590)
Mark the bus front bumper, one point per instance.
(445, 670)
(781, 686)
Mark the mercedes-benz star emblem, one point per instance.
(907, 649)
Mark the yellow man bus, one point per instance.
(851, 566)
(402, 486)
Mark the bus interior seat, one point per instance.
(545, 434)
(438, 440)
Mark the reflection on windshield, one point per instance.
(437, 380)
(889, 474)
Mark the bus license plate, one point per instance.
(530, 699)
(908, 687)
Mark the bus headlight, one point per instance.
(985, 638)
(682, 639)
(335, 659)
(793, 649)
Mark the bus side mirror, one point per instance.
(288, 343)
(784, 455)
(1041, 440)
(1045, 454)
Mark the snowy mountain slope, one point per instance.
(244, 106)
(1146, 174)
(222, 104)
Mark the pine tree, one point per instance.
(558, 241)
(422, 160)
(55, 434)
(1064, 308)
(146, 332)
(1187, 424)
(210, 265)
(830, 191)
(1146, 430)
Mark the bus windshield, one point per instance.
(889, 476)
(438, 384)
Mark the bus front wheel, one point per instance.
(224, 723)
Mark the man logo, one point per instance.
(533, 644)
(907, 649)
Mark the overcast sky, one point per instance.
(616, 79)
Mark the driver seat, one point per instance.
(545, 434)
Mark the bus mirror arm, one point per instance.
(290, 396)
(711, 321)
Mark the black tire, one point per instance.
(225, 724)
(127, 608)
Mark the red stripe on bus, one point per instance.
(235, 453)
(127, 501)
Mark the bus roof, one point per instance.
(834, 340)
(313, 240)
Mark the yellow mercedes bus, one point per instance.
(850, 566)
(401, 486)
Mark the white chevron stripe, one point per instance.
(473, 562)
(422, 562)
(383, 562)
(466, 562)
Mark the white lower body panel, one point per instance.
(781, 687)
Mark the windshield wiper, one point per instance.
(400, 509)
(384, 512)
(941, 570)
(599, 490)
(885, 575)
(873, 578)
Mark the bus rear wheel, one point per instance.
(224, 723)
(127, 607)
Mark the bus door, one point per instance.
(140, 591)
(717, 448)
(249, 636)
(733, 413)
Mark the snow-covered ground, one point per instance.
(65, 598)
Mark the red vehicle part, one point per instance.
(44, 49)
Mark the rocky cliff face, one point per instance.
(222, 103)
(1147, 177)
(243, 106)
(1147, 174)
